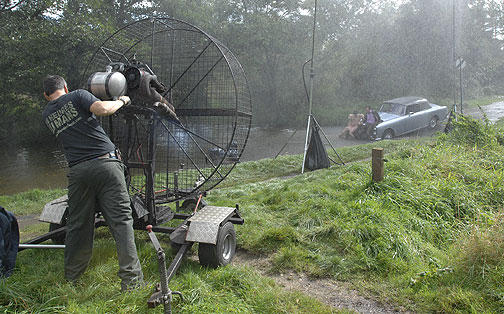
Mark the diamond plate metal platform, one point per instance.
(204, 225)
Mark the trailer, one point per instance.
(172, 163)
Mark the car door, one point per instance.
(413, 118)
(424, 114)
(399, 125)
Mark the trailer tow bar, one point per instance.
(163, 294)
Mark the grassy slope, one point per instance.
(429, 236)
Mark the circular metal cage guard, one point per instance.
(208, 88)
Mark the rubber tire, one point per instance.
(190, 203)
(433, 122)
(388, 134)
(222, 252)
(175, 247)
(57, 239)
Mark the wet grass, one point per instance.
(429, 237)
(410, 238)
(30, 202)
(37, 286)
(290, 165)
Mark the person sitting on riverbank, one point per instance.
(354, 120)
(372, 118)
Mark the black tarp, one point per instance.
(316, 155)
(9, 242)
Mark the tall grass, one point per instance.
(336, 222)
(37, 286)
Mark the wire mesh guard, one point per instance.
(9, 4)
(207, 86)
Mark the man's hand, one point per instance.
(125, 99)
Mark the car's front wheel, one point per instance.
(388, 134)
(433, 122)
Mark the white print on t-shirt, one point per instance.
(63, 118)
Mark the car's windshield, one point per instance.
(397, 109)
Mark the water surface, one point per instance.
(26, 168)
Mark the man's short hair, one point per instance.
(52, 83)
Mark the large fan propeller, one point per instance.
(172, 158)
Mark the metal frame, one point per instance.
(136, 130)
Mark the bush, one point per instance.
(468, 131)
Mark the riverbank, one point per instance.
(426, 239)
(26, 168)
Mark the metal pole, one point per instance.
(461, 90)
(454, 58)
(286, 143)
(327, 139)
(311, 86)
(41, 246)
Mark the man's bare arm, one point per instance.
(109, 107)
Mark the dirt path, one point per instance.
(338, 294)
(27, 220)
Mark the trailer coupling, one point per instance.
(163, 294)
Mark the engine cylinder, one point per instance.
(107, 85)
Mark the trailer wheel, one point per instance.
(58, 239)
(222, 252)
(190, 203)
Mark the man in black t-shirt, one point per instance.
(95, 180)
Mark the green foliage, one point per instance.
(478, 261)
(428, 235)
(468, 131)
(337, 223)
(365, 52)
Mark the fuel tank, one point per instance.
(107, 85)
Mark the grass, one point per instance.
(37, 286)
(400, 232)
(428, 237)
(30, 202)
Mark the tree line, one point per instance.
(366, 51)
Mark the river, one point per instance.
(27, 168)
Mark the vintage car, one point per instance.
(407, 114)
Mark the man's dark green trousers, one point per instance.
(94, 185)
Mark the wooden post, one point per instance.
(377, 164)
